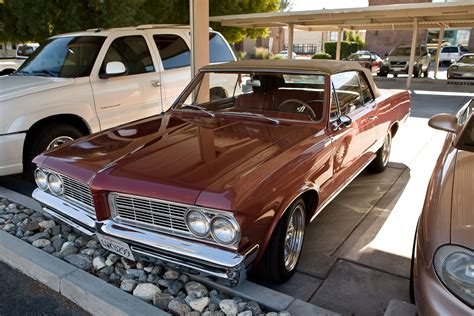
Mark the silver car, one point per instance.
(463, 68)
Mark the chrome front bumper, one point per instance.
(150, 246)
(66, 212)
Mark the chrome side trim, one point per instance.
(65, 212)
(342, 187)
(188, 249)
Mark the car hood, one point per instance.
(462, 211)
(175, 158)
(15, 86)
(463, 66)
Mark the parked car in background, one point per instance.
(442, 274)
(81, 83)
(450, 54)
(463, 68)
(207, 185)
(397, 62)
(284, 54)
(367, 60)
(23, 51)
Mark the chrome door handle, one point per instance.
(372, 118)
(155, 83)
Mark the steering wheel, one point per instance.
(301, 107)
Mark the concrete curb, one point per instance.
(87, 291)
(269, 298)
(100, 298)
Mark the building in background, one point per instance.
(382, 41)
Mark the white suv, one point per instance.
(80, 83)
(451, 53)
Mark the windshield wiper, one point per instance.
(197, 107)
(275, 121)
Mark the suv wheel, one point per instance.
(47, 137)
(417, 72)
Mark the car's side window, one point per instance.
(334, 112)
(133, 52)
(367, 95)
(174, 51)
(348, 91)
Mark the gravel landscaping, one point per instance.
(158, 284)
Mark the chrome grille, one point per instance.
(78, 192)
(149, 213)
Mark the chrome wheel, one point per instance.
(294, 237)
(58, 141)
(387, 145)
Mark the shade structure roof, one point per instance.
(396, 16)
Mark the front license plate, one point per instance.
(115, 245)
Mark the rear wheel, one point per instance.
(44, 138)
(281, 257)
(381, 159)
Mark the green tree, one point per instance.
(35, 20)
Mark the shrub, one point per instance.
(321, 56)
(260, 53)
(277, 57)
(240, 55)
(347, 48)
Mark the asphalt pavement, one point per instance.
(20, 295)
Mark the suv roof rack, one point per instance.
(161, 26)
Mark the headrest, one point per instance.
(268, 82)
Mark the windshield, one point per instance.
(267, 96)
(359, 57)
(467, 60)
(403, 51)
(66, 57)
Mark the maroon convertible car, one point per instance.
(227, 179)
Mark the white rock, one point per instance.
(146, 291)
(284, 313)
(249, 313)
(41, 243)
(199, 304)
(67, 244)
(112, 259)
(229, 307)
(98, 263)
(47, 224)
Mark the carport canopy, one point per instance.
(380, 17)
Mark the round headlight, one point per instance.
(224, 231)
(454, 266)
(41, 179)
(454, 67)
(55, 184)
(198, 223)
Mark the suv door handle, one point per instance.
(372, 118)
(155, 83)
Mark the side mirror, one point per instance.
(342, 121)
(444, 122)
(115, 68)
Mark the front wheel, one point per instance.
(281, 257)
(47, 137)
(381, 159)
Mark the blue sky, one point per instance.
(302, 5)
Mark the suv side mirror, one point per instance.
(444, 122)
(115, 68)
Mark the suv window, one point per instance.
(450, 49)
(367, 95)
(348, 91)
(133, 52)
(423, 51)
(218, 49)
(174, 51)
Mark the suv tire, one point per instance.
(39, 141)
